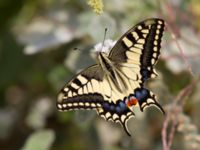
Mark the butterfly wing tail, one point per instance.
(120, 118)
(147, 98)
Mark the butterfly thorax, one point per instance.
(112, 74)
(105, 63)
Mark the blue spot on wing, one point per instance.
(145, 74)
(106, 106)
(119, 108)
(141, 94)
(122, 106)
(112, 108)
(145, 92)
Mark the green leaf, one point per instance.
(40, 140)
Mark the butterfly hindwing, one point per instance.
(116, 112)
(146, 98)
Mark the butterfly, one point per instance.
(114, 87)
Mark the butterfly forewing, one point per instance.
(139, 48)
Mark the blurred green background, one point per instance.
(37, 57)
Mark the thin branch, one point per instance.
(180, 49)
(172, 114)
(164, 133)
(173, 56)
(172, 132)
(171, 17)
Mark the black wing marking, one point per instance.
(83, 91)
(136, 54)
(91, 90)
(118, 112)
(139, 48)
(146, 98)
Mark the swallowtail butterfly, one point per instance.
(115, 86)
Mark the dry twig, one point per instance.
(173, 112)
(174, 32)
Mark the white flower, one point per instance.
(104, 47)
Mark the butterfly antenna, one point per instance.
(104, 38)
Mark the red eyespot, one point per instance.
(132, 101)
